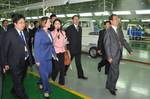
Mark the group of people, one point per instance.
(50, 41)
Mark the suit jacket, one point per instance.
(14, 50)
(43, 46)
(30, 42)
(123, 41)
(10, 26)
(100, 44)
(74, 38)
(2, 30)
(114, 42)
(29, 34)
(1, 39)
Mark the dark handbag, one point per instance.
(67, 57)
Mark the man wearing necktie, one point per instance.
(16, 55)
(74, 35)
(113, 44)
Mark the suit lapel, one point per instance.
(18, 36)
(46, 36)
(115, 34)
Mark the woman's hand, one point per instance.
(38, 64)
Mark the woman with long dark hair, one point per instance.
(60, 42)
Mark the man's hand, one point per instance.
(4, 71)
(131, 54)
(110, 60)
(6, 68)
(99, 51)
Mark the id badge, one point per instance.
(25, 49)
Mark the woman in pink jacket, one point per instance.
(60, 41)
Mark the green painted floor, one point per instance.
(33, 92)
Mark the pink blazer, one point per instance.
(59, 41)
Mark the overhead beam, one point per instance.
(48, 3)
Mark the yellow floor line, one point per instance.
(64, 88)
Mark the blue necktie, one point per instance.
(26, 52)
(22, 37)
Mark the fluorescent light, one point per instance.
(70, 15)
(142, 11)
(2, 19)
(48, 14)
(9, 19)
(40, 16)
(61, 16)
(122, 12)
(85, 14)
(93, 20)
(146, 20)
(106, 20)
(28, 18)
(124, 20)
(35, 17)
(101, 13)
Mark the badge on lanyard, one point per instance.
(25, 49)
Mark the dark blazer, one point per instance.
(29, 34)
(1, 45)
(10, 26)
(100, 43)
(2, 30)
(43, 46)
(13, 50)
(74, 38)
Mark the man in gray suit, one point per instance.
(113, 44)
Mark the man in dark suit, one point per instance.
(74, 34)
(30, 41)
(113, 44)
(1, 66)
(16, 55)
(3, 29)
(101, 49)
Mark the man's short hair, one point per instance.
(75, 16)
(52, 15)
(107, 22)
(17, 17)
(111, 16)
(4, 21)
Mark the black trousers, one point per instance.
(113, 74)
(59, 67)
(78, 65)
(105, 63)
(18, 75)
